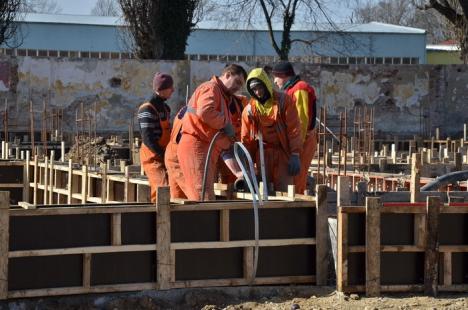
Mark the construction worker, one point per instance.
(236, 107)
(303, 96)
(274, 115)
(207, 114)
(153, 118)
(176, 178)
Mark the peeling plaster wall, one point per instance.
(407, 99)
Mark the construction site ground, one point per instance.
(266, 297)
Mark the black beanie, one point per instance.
(283, 68)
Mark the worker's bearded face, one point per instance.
(234, 83)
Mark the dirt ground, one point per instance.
(267, 297)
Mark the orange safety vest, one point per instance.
(165, 125)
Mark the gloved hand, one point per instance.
(294, 165)
(229, 130)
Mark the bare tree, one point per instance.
(106, 8)
(40, 6)
(401, 12)
(280, 15)
(456, 12)
(160, 28)
(8, 13)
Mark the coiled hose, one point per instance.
(207, 161)
(252, 183)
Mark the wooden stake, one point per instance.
(431, 261)
(373, 206)
(163, 237)
(4, 242)
(321, 236)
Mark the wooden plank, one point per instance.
(163, 237)
(401, 248)
(4, 242)
(86, 209)
(70, 181)
(431, 260)
(82, 290)
(104, 182)
(84, 184)
(224, 225)
(46, 180)
(373, 205)
(342, 251)
(84, 250)
(453, 248)
(35, 180)
(248, 263)
(415, 184)
(116, 229)
(239, 282)
(447, 268)
(237, 205)
(87, 270)
(26, 177)
(51, 178)
(241, 243)
(321, 236)
(402, 288)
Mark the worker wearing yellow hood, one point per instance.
(274, 115)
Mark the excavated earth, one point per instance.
(266, 297)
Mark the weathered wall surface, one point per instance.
(408, 99)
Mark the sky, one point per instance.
(84, 7)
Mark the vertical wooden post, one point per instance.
(46, 179)
(373, 246)
(35, 180)
(26, 177)
(103, 183)
(431, 260)
(342, 251)
(447, 268)
(224, 224)
(465, 132)
(458, 161)
(62, 151)
(248, 263)
(163, 237)
(321, 236)
(84, 184)
(69, 181)
(415, 185)
(87, 270)
(51, 177)
(4, 242)
(116, 229)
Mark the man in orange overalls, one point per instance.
(153, 118)
(274, 115)
(303, 96)
(207, 114)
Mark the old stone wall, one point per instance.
(408, 99)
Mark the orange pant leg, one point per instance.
(307, 154)
(276, 165)
(192, 154)
(176, 178)
(154, 168)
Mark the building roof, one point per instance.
(372, 27)
(443, 47)
(71, 19)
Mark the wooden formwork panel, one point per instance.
(123, 247)
(420, 246)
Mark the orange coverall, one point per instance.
(303, 96)
(176, 178)
(207, 114)
(279, 124)
(152, 163)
